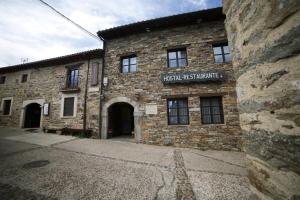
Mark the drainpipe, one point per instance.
(102, 87)
(85, 97)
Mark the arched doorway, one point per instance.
(120, 120)
(137, 117)
(32, 116)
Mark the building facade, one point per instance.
(166, 81)
(170, 81)
(50, 94)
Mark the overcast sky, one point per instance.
(31, 30)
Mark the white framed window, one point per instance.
(221, 53)
(68, 106)
(129, 64)
(6, 106)
(177, 58)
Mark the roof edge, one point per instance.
(161, 22)
(60, 60)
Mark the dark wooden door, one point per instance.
(32, 116)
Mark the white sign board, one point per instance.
(151, 109)
(46, 109)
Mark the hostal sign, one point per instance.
(192, 77)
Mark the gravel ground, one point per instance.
(78, 176)
(105, 169)
(215, 186)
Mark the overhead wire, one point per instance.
(71, 21)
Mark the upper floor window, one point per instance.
(128, 64)
(221, 53)
(178, 113)
(72, 77)
(211, 110)
(24, 78)
(177, 58)
(2, 79)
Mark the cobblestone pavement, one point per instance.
(97, 169)
(184, 188)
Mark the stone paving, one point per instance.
(184, 188)
(11, 192)
(104, 169)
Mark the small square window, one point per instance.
(211, 110)
(2, 79)
(129, 64)
(177, 58)
(221, 53)
(24, 78)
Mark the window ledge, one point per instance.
(212, 125)
(70, 90)
(176, 68)
(223, 63)
(128, 73)
(178, 125)
(68, 117)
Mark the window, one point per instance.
(177, 58)
(128, 64)
(72, 78)
(24, 78)
(178, 111)
(211, 110)
(6, 106)
(2, 79)
(221, 53)
(68, 106)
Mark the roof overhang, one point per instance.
(62, 60)
(162, 23)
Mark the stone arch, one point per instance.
(23, 109)
(136, 114)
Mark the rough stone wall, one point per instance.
(45, 83)
(265, 38)
(145, 86)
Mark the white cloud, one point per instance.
(203, 4)
(31, 30)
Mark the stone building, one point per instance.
(165, 81)
(169, 81)
(265, 41)
(50, 94)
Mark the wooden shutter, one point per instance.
(94, 75)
